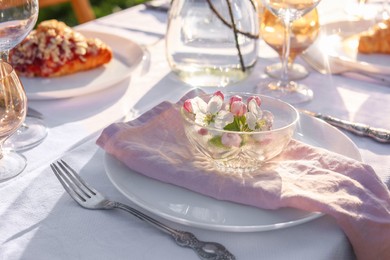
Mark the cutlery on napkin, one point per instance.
(330, 65)
(303, 177)
(378, 134)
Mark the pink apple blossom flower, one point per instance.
(256, 99)
(188, 106)
(216, 113)
(231, 139)
(269, 119)
(238, 108)
(193, 105)
(257, 119)
(203, 131)
(215, 104)
(234, 98)
(255, 113)
(220, 94)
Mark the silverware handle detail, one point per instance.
(379, 78)
(205, 250)
(378, 134)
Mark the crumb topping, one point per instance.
(50, 46)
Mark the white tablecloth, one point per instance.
(38, 220)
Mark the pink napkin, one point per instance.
(303, 177)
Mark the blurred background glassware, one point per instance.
(13, 106)
(17, 19)
(202, 47)
(356, 8)
(284, 88)
(367, 9)
(383, 12)
(304, 32)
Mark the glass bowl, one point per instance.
(251, 149)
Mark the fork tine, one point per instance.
(67, 184)
(76, 179)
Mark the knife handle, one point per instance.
(379, 134)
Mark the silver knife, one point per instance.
(378, 134)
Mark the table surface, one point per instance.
(38, 220)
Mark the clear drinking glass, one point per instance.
(288, 11)
(204, 49)
(13, 105)
(367, 10)
(356, 8)
(383, 13)
(303, 33)
(17, 19)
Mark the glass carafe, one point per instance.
(212, 43)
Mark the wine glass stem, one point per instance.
(2, 140)
(4, 55)
(285, 52)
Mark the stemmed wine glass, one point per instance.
(304, 32)
(13, 105)
(17, 18)
(288, 11)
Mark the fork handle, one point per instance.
(205, 250)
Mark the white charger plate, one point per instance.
(339, 40)
(190, 208)
(127, 56)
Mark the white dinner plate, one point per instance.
(190, 208)
(127, 56)
(340, 40)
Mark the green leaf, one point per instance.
(232, 126)
(217, 141)
(242, 120)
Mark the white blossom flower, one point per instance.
(242, 116)
(211, 113)
(254, 114)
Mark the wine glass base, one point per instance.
(293, 94)
(11, 165)
(32, 132)
(295, 71)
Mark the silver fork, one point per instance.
(89, 198)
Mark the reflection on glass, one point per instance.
(13, 104)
